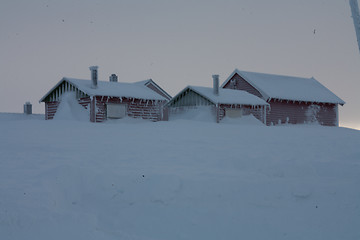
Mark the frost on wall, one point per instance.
(312, 114)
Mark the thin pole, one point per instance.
(356, 18)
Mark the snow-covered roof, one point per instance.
(273, 86)
(112, 89)
(227, 96)
(143, 82)
(151, 82)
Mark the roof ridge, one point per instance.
(274, 74)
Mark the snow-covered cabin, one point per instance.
(292, 99)
(109, 99)
(221, 102)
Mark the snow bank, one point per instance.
(243, 120)
(199, 113)
(177, 180)
(70, 109)
(20, 117)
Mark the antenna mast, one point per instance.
(356, 17)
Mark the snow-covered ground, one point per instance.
(71, 179)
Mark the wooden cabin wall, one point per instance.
(50, 109)
(257, 111)
(136, 108)
(239, 83)
(299, 113)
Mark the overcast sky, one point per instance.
(176, 43)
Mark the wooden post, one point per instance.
(265, 114)
(92, 109)
(337, 115)
(46, 111)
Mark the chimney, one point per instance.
(94, 76)
(216, 84)
(113, 78)
(27, 108)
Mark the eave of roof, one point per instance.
(51, 90)
(112, 89)
(149, 81)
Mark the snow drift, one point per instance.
(70, 109)
(177, 180)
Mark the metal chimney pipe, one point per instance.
(27, 108)
(94, 76)
(216, 84)
(113, 78)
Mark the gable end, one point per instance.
(62, 87)
(188, 97)
(238, 83)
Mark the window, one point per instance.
(115, 110)
(233, 113)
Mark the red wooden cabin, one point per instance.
(111, 99)
(292, 100)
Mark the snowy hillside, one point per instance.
(67, 179)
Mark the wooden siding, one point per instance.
(85, 102)
(189, 98)
(299, 112)
(258, 112)
(238, 83)
(136, 108)
(50, 109)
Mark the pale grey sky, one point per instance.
(176, 43)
